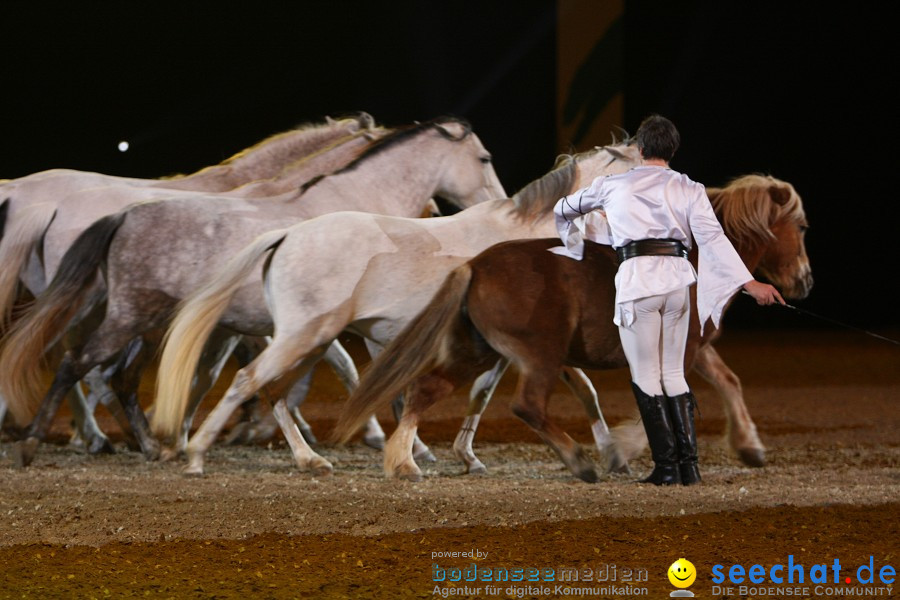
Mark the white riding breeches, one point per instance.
(654, 343)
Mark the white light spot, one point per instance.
(123, 146)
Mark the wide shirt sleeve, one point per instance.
(576, 222)
(720, 271)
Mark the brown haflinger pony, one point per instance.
(541, 311)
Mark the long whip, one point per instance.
(833, 321)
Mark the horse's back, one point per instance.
(555, 308)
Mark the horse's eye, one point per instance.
(804, 228)
(485, 160)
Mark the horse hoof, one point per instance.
(374, 441)
(587, 474)
(193, 471)
(425, 456)
(239, 434)
(580, 465)
(320, 467)
(405, 471)
(613, 461)
(477, 468)
(151, 452)
(168, 454)
(24, 451)
(410, 476)
(195, 464)
(753, 457)
(624, 469)
(100, 445)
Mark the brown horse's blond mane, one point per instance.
(749, 205)
(539, 196)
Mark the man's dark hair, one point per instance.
(657, 137)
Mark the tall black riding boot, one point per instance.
(658, 425)
(681, 408)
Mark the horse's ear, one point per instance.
(366, 121)
(780, 194)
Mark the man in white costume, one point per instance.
(652, 213)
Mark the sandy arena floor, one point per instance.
(826, 405)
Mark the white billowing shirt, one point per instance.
(659, 203)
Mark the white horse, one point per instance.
(43, 213)
(315, 292)
(158, 252)
(52, 208)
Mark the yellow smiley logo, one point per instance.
(682, 573)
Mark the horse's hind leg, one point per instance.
(343, 366)
(127, 381)
(612, 459)
(740, 430)
(479, 396)
(87, 433)
(420, 449)
(100, 348)
(273, 362)
(253, 425)
(532, 393)
(218, 348)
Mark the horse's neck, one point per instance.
(323, 161)
(372, 186)
(497, 221)
(269, 157)
(262, 161)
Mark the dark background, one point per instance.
(788, 89)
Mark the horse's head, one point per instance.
(604, 160)
(764, 218)
(468, 177)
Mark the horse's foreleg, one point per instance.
(87, 434)
(479, 396)
(612, 459)
(343, 366)
(740, 428)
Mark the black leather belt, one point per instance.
(652, 247)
